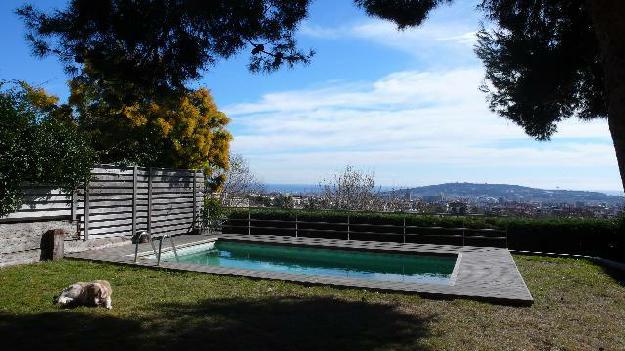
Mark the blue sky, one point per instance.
(403, 105)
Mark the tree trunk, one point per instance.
(52, 245)
(608, 19)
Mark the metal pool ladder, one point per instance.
(160, 239)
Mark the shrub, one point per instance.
(37, 145)
(212, 212)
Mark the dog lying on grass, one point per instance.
(95, 293)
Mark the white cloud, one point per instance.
(319, 32)
(386, 32)
(411, 127)
(433, 43)
(468, 38)
(411, 88)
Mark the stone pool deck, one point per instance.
(481, 272)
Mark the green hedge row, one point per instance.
(593, 237)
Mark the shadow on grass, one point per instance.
(65, 330)
(278, 323)
(616, 274)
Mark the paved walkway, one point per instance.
(481, 272)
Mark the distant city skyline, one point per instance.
(403, 105)
(299, 188)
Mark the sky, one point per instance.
(403, 105)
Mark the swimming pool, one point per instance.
(363, 265)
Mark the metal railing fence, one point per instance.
(349, 229)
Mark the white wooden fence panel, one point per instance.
(121, 201)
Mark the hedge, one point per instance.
(593, 237)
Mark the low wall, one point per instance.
(21, 242)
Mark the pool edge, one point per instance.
(487, 274)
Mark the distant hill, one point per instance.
(509, 192)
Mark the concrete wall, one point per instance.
(20, 242)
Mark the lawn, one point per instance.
(579, 306)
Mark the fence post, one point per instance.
(404, 229)
(74, 205)
(506, 235)
(160, 250)
(134, 201)
(249, 222)
(150, 200)
(347, 227)
(463, 226)
(86, 209)
(194, 200)
(208, 220)
(296, 229)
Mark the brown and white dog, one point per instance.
(95, 293)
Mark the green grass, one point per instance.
(578, 306)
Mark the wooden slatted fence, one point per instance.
(123, 201)
(42, 202)
(120, 201)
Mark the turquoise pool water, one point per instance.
(321, 262)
